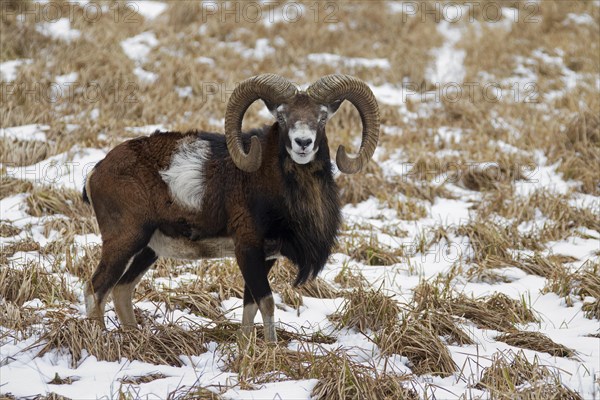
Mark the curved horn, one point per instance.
(330, 88)
(269, 87)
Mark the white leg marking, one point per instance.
(122, 298)
(267, 311)
(129, 263)
(93, 308)
(248, 316)
(90, 304)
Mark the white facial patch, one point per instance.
(185, 175)
(302, 140)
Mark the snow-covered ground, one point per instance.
(97, 379)
(24, 374)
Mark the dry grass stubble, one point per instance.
(512, 376)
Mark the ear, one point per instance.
(333, 107)
(275, 109)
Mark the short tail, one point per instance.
(84, 194)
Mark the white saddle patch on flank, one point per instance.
(185, 175)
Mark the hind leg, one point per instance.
(122, 293)
(117, 256)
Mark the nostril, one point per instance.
(304, 143)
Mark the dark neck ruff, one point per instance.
(312, 202)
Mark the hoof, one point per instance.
(270, 333)
(129, 327)
(98, 321)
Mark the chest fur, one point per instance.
(312, 201)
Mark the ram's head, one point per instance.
(302, 114)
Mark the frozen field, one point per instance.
(468, 265)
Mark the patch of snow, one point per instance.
(72, 127)
(173, 52)
(144, 76)
(388, 94)
(62, 82)
(507, 148)
(13, 207)
(391, 130)
(509, 16)
(448, 64)
(349, 62)
(394, 96)
(335, 26)
(451, 212)
(66, 78)
(582, 200)
(261, 49)
(539, 176)
(448, 135)
(25, 132)
(399, 7)
(146, 130)
(138, 47)
(570, 80)
(149, 9)
(512, 14)
(220, 122)
(368, 209)
(97, 378)
(185, 91)
(535, 225)
(265, 114)
(67, 169)
(447, 153)
(205, 60)
(575, 246)
(8, 69)
(59, 29)
(524, 73)
(579, 19)
(525, 76)
(94, 114)
(501, 124)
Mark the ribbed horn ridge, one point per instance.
(272, 88)
(330, 88)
